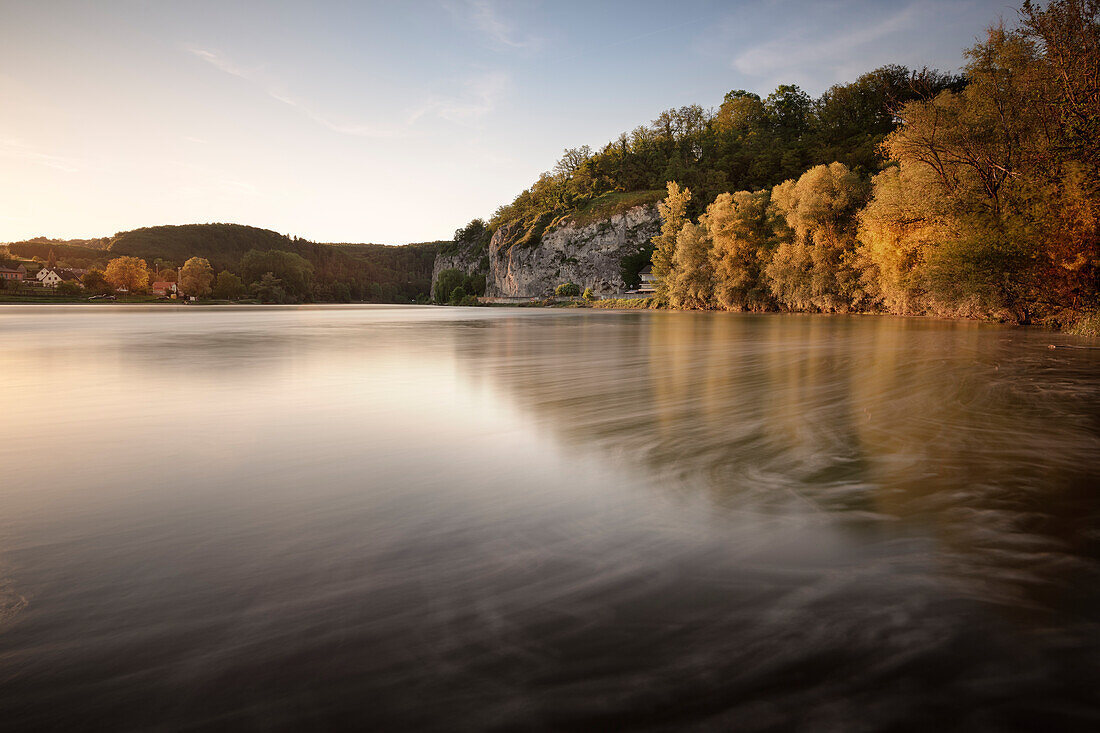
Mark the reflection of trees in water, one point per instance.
(941, 424)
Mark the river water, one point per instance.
(416, 518)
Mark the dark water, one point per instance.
(494, 519)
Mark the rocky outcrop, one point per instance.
(590, 255)
(466, 260)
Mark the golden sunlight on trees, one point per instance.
(127, 273)
(691, 281)
(740, 231)
(673, 211)
(196, 277)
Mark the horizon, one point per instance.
(382, 124)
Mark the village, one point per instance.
(43, 279)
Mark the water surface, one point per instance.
(409, 518)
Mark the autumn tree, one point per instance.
(196, 277)
(127, 273)
(815, 267)
(741, 234)
(692, 280)
(673, 211)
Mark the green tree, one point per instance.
(96, 282)
(589, 295)
(457, 295)
(445, 284)
(294, 272)
(228, 286)
(269, 289)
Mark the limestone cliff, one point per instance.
(589, 254)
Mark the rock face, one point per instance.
(465, 261)
(588, 255)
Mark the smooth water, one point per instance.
(402, 518)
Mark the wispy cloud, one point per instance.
(219, 61)
(355, 129)
(18, 150)
(480, 96)
(485, 17)
(256, 75)
(804, 50)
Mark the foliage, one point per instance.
(293, 272)
(68, 287)
(451, 279)
(127, 273)
(989, 204)
(588, 295)
(269, 289)
(95, 282)
(567, 290)
(196, 277)
(228, 286)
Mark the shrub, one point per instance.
(568, 290)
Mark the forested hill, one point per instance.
(746, 143)
(909, 192)
(366, 271)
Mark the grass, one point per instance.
(1086, 325)
(612, 204)
(630, 303)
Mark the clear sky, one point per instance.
(386, 121)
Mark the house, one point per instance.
(12, 273)
(51, 278)
(162, 287)
(649, 281)
(42, 272)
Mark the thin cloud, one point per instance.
(797, 52)
(254, 74)
(18, 150)
(354, 129)
(482, 94)
(484, 16)
(220, 62)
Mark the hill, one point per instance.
(368, 271)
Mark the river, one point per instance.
(418, 518)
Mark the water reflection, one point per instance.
(403, 517)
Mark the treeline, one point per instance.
(360, 272)
(989, 204)
(748, 143)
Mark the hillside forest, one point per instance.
(905, 191)
(243, 262)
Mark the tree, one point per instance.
(269, 289)
(96, 282)
(815, 267)
(673, 211)
(445, 283)
(568, 290)
(740, 230)
(69, 287)
(692, 281)
(228, 286)
(51, 260)
(196, 277)
(294, 272)
(127, 273)
(457, 295)
(588, 295)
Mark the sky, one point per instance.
(387, 122)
